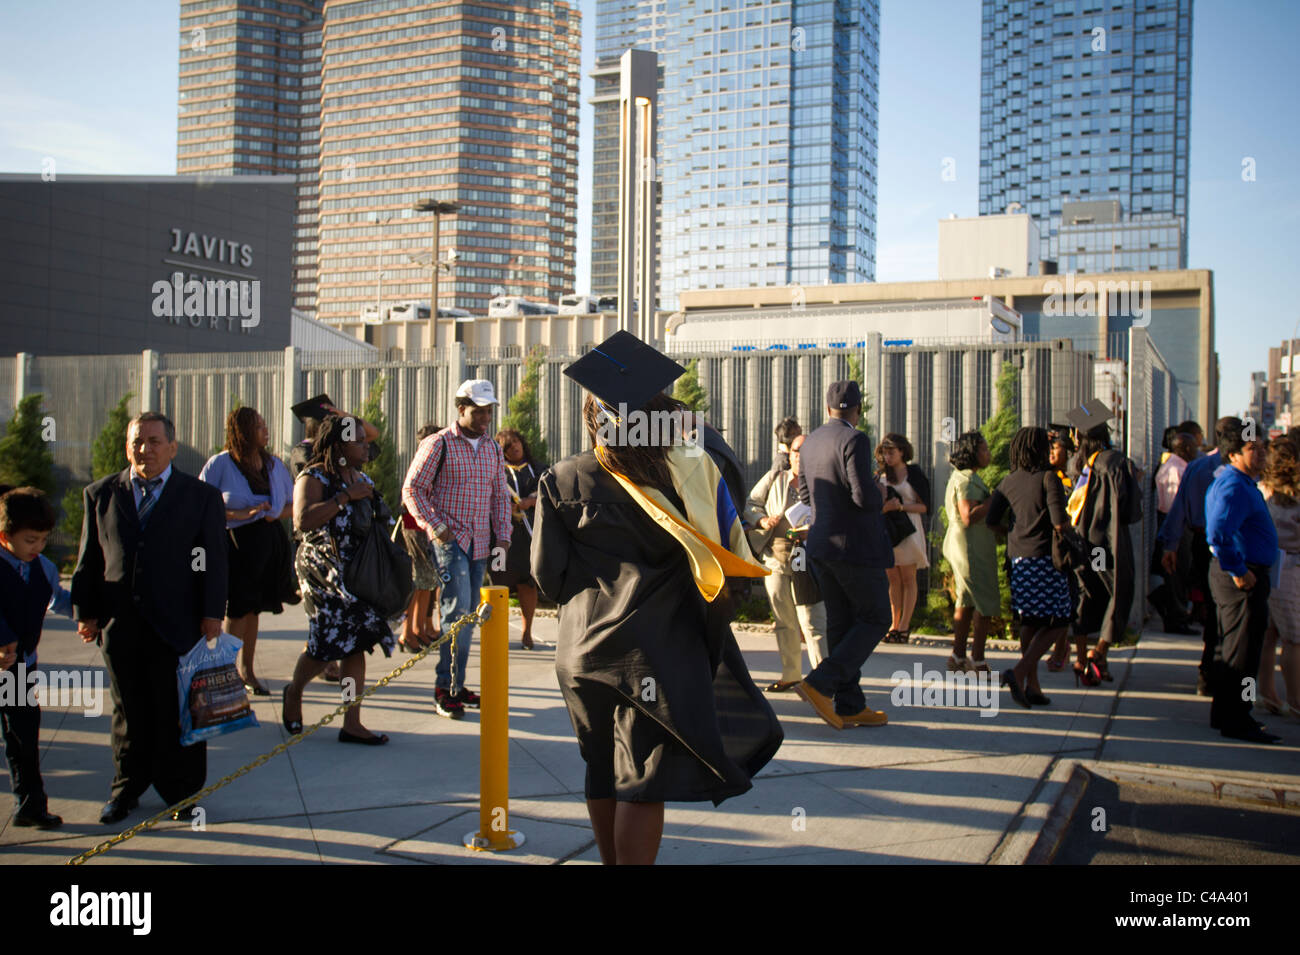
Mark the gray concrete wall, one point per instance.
(79, 257)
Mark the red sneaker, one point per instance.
(467, 697)
(444, 704)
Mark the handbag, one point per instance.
(806, 591)
(897, 523)
(1068, 550)
(379, 572)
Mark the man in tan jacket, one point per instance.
(797, 607)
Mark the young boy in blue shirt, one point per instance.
(29, 586)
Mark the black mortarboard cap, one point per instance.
(1088, 415)
(312, 408)
(624, 370)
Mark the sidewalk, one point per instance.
(938, 784)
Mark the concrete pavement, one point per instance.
(940, 783)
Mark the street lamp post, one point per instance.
(1290, 375)
(439, 207)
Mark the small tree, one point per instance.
(523, 406)
(1001, 428)
(25, 458)
(383, 469)
(107, 456)
(855, 373)
(998, 432)
(688, 390)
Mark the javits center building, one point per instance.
(89, 264)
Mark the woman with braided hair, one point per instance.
(1035, 498)
(327, 516)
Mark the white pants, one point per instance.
(792, 621)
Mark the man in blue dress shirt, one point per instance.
(1243, 542)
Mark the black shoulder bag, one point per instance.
(897, 523)
(379, 573)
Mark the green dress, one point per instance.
(971, 551)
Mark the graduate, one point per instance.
(1106, 499)
(634, 541)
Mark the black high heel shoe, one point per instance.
(1036, 697)
(1017, 694)
(292, 727)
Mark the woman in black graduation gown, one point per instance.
(1111, 502)
(660, 698)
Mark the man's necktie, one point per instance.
(148, 497)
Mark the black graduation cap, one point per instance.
(1088, 415)
(624, 370)
(313, 408)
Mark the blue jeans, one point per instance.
(459, 597)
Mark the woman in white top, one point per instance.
(1281, 488)
(904, 488)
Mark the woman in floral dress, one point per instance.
(332, 521)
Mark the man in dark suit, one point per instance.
(150, 581)
(850, 553)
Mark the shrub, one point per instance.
(523, 413)
(25, 458)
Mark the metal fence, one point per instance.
(930, 392)
(1154, 403)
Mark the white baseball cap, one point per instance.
(479, 391)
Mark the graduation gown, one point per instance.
(661, 700)
(1113, 502)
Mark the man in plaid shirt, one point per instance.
(456, 491)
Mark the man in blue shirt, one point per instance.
(1243, 542)
(1187, 513)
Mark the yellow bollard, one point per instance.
(494, 833)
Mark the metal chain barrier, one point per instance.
(479, 616)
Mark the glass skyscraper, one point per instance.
(767, 143)
(620, 25)
(250, 104)
(1083, 101)
(396, 102)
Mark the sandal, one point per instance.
(979, 666)
(372, 740)
(526, 641)
(293, 727)
(1097, 664)
(958, 664)
(256, 688)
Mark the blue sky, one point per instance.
(93, 85)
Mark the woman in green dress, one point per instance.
(971, 551)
